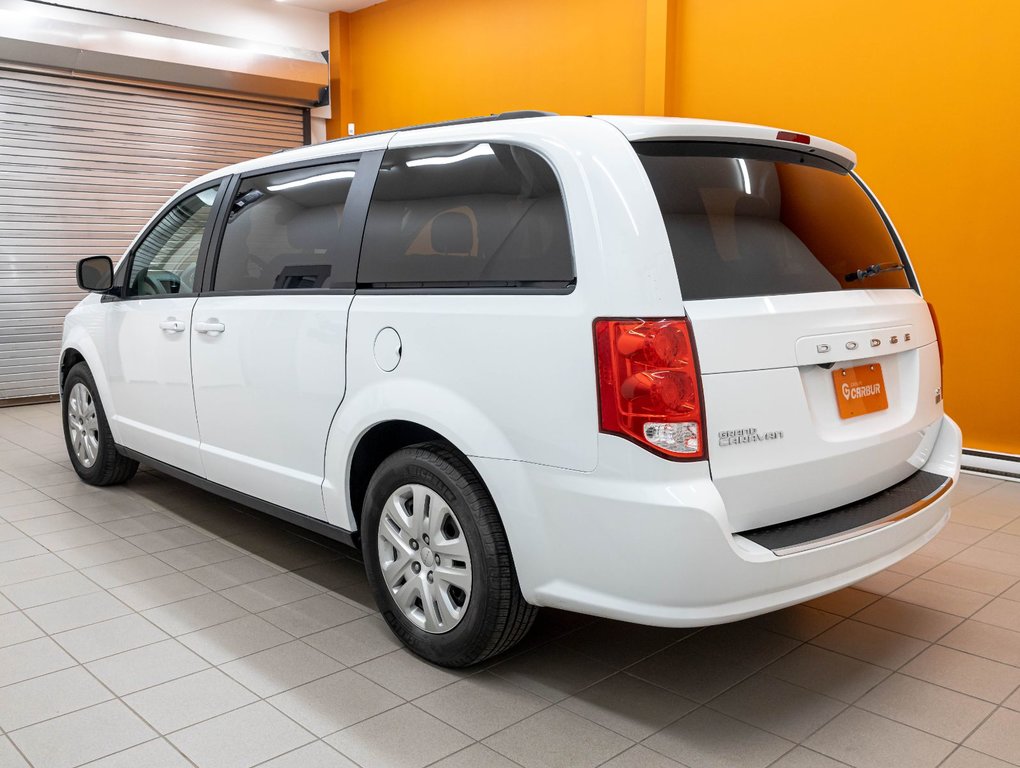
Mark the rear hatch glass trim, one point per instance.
(756, 220)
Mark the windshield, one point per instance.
(759, 221)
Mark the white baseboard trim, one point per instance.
(993, 464)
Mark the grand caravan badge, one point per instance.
(747, 435)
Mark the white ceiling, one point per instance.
(332, 5)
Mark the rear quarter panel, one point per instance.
(502, 377)
(511, 377)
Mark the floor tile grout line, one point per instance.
(960, 619)
(150, 741)
(99, 588)
(880, 666)
(891, 673)
(559, 638)
(976, 728)
(298, 749)
(546, 698)
(922, 730)
(338, 730)
(130, 709)
(998, 626)
(704, 705)
(843, 705)
(55, 514)
(167, 734)
(922, 577)
(113, 697)
(18, 749)
(160, 734)
(678, 718)
(808, 749)
(887, 719)
(945, 687)
(551, 703)
(762, 670)
(140, 612)
(791, 749)
(484, 746)
(946, 759)
(134, 712)
(999, 481)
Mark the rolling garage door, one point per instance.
(83, 165)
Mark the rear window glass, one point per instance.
(465, 215)
(283, 232)
(758, 221)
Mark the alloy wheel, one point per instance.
(83, 424)
(424, 556)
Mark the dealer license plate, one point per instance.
(859, 390)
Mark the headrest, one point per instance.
(453, 233)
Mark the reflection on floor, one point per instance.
(156, 625)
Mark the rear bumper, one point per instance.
(892, 505)
(646, 540)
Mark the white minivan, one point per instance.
(668, 371)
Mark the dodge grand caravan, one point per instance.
(666, 371)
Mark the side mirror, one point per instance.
(95, 274)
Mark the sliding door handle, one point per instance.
(210, 326)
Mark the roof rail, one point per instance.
(522, 113)
(515, 115)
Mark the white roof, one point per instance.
(633, 127)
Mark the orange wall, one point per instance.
(416, 61)
(927, 99)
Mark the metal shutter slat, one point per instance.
(83, 165)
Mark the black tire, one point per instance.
(109, 467)
(496, 617)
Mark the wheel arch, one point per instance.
(69, 358)
(78, 347)
(380, 441)
(416, 411)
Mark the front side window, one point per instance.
(466, 215)
(283, 232)
(747, 220)
(164, 263)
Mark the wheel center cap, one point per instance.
(427, 557)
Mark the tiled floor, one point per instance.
(154, 626)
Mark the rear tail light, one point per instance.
(938, 338)
(649, 386)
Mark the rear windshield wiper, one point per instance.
(874, 269)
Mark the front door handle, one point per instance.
(172, 325)
(210, 326)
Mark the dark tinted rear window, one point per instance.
(283, 232)
(466, 214)
(757, 221)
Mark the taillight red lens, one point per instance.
(648, 385)
(938, 338)
(800, 138)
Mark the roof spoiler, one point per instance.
(687, 129)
